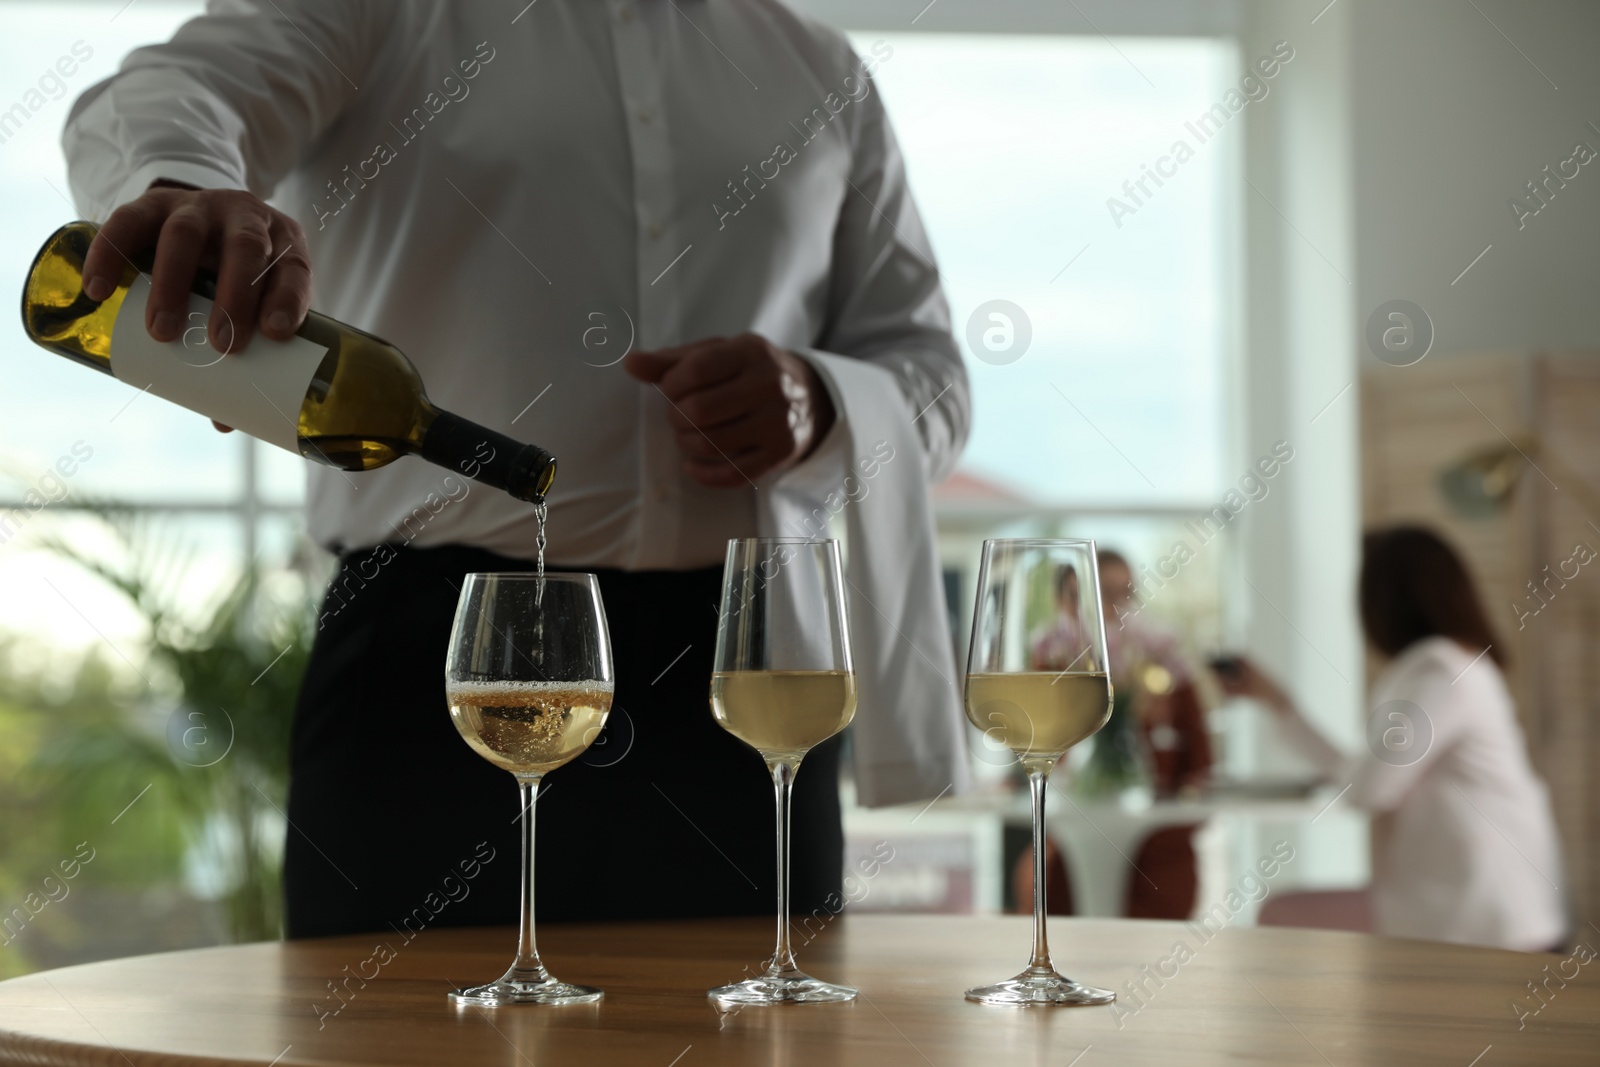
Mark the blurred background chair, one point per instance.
(1333, 909)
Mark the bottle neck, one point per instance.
(488, 456)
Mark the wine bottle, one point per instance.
(332, 393)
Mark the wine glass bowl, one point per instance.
(529, 682)
(1038, 682)
(529, 728)
(783, 714)
(1067, 708)
(782, 683)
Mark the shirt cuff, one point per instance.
(840, 430)
(195, 174)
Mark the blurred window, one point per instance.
(1092, 301)
(227, 498)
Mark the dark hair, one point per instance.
(1064, 574)
(1413, 585)
(1111, 555)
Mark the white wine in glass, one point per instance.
(782, 683)
(1039, 714)
(530, 727)
(1035, 595)
(529, 681)
(783, 714)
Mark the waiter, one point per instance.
(673, 244)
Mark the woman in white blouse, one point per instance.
(1464, 845)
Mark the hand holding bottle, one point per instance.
(258, 254)
(329, 392)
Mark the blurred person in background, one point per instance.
(1464, 845)
(1152, 681)
(1156, 733)
(1060, 642)
(1146, 657)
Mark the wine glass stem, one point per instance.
(1041, 946)
(528, 964)
(783, 782)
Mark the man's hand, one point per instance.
(741, 406)
(259, 255)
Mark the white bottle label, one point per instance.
(258, 391)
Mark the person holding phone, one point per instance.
(1464, 845)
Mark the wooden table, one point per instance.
(1250, 996)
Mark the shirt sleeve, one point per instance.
(886, 304)
(231, 102)
(1418, 716)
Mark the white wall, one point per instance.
(1389, 153)
(1298, 366)
(1452, 121)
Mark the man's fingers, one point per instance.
(734, 414)
(287, 285)
(745, 450)
(130, 230)
(245, 252)
(650, 366)
(719, 405)
(703, 367)
(754, 430)
(260, 255)
(178, 250)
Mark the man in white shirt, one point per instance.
(517, 198)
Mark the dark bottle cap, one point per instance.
(525, 471)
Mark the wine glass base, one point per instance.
(1030, 988)
(795, 988)
(512, 991)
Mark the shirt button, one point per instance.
(645, 114)
(626, 14)
(654, 232)
(660, 493)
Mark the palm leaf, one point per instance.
(229, 677)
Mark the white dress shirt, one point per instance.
(610, 172)
(1472, 854)
(515, 196)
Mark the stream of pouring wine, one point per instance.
(540, 511)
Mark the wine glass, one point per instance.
(1038, 682)
(782, 683)
(529, 682)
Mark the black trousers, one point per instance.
(395, 822)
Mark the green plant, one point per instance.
(1116, 760)
(206, 740)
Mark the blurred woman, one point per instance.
(1157, 729)
(1464, 844)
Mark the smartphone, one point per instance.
(1225, 665)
